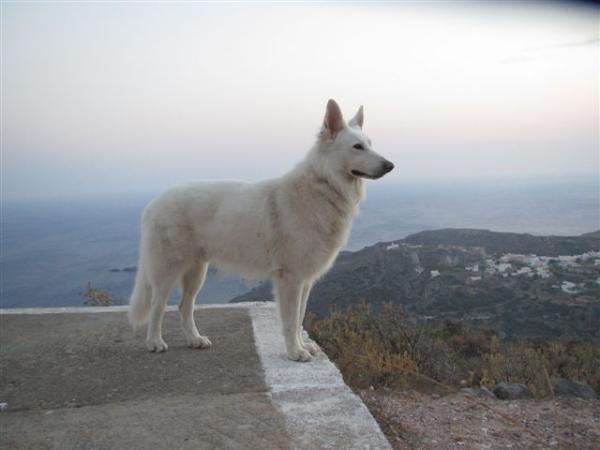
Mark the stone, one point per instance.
(511, 391)
(569, 388)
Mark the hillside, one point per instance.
(482, 277)
(500, 243)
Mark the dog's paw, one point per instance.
(300, 355)
(157, 345)
(198, 341)
(312, 347)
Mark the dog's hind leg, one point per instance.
(160, 294)
(288, 292)
(191, 283)
(312, 347)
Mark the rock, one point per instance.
(481, 392)
(569, 388)
(124, 269)
(511, 391)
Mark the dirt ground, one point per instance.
(412, 420)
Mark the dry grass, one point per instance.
(99, 297)
(385, 349)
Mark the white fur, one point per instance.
(289, 229)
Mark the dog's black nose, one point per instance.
(388, 166)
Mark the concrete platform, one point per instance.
(79, 378)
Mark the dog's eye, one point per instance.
(359, 147)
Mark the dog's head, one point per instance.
(349, 147)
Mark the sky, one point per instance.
(118, 97)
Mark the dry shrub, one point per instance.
(518, 364)
(578, 361)
(379, 349)
(525, 363)
(385, 349)
(98, 297)
(353, 341)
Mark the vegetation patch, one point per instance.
(99, 297)
(382, 348)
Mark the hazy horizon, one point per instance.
(52, 249)
(591, 181)
(116, 98)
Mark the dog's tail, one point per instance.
(140, 301)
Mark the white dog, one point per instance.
(289, 229)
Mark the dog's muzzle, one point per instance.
(386, 167)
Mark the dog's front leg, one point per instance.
(312, 347)
(288, 290)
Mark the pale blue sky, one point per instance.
(129, 97)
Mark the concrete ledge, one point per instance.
(80, 378)
(112, 309)
(319, 409)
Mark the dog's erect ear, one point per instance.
(357, 120)
(333, 121)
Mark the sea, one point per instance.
(51, 251)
